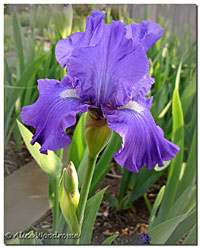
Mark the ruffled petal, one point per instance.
(142, 87)
(108, 71)
(143, 141)
(91, 37)
(146, 33)
(53, 112)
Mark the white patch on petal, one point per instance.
(133, 105)
(68, 93)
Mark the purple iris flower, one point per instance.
(143, 239)
(107, 71)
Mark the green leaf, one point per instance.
(182, 229)
(185, 201)
(78, 144)
(7, 73)
(155, 207)
(192, 237)
(143, 181)
(112, 201)
(24, 79)
(109, 240)
(91, 209)
(45, 71)
(50, 163)
(82, 167)
(147, 202)
(189, 174)
(178, 139)
(188, 94)
(18, 42)
(164, 111)
(30, 51)
(160, 233)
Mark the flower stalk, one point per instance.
(56, 203)
(85, 188)
(97, 137)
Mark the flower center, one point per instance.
(97, 118)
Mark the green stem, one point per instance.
(85, 188)
(56, 203)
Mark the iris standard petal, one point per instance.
(108, 71)
(53, 112)
(143, 142)
(91, 37)
(147, 33)
(142, 87)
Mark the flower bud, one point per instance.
(69, 197)
(97, 133)
(71, 183)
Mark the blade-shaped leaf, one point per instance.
(18, 42)
(50, 163)
(78, 143)
(185, 201)
(160, 233)
(178, 139)
(112, 201)
(144, 180)
(24, 79)
(91, 209)
(188, 93)
(109, 240)
(189, 174)
(155, 207)
(182, 229)
(192, 237)
(30, 51)
(82, 167)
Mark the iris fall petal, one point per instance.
(53, 112)
(143, 141)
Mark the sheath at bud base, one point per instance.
(97, 135)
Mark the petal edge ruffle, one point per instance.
(53, 112)
(143, 141)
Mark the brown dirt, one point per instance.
(14, 159)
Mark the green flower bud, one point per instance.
(69, 197)
(71, 183)
(97, 132)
